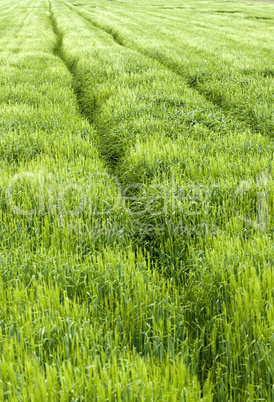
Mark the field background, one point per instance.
(136, 193)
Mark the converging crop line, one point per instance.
(57, 51)
(59, 37)
(86, 112)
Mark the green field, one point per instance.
(137, 200)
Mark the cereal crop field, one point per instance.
(136, 200)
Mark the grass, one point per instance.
(136, 240)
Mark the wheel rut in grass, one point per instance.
(87, 112)
(86, 109)
(59, 36)
(70, 65)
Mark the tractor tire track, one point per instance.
(70, 65)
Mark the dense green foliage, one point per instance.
(136, 194)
